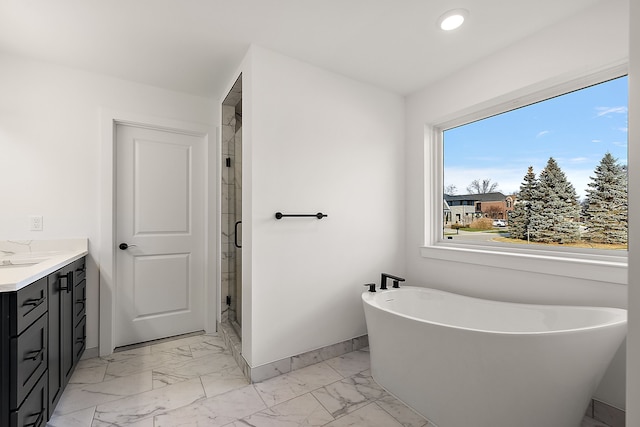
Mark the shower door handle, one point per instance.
(235, 238)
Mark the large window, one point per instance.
(542, 175)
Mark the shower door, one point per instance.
(231, 274)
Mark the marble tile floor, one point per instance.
(195, 382)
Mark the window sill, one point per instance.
(603, 268)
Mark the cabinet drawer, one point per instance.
(79, 301)
(33, 412)
(30, 303)
(79, 270)
(28, 360)
(79, 339)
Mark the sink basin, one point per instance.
(20, 263)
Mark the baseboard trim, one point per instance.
(288, 364)
(90, 352)
(605, 413)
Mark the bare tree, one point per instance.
(482, 187)
(495, 212)
(450, 189)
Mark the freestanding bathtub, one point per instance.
(462, 361)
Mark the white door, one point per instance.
(159, 234)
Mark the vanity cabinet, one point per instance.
(67, 292)
(42, 337)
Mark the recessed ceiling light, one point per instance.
(452, 19)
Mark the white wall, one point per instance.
(50, 150)
(315, 141)
(633, 337)
(589, 41)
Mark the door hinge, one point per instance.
(228, 161)
(228, 300)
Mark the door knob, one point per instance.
(124, 246)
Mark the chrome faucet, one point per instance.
(396, 280)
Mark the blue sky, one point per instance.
(576, 129)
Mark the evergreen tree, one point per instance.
(555, 209)
(607, 205)
(519, 217)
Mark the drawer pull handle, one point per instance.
(38, 420)
(35, 354)
(33, 301)
(69, 278)
(82, 303)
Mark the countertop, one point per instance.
(22, 262)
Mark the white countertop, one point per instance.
(22, 262)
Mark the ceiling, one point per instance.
(195, 46)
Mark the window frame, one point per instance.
(591, 264)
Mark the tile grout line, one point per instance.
(167, 351)
(310, 392)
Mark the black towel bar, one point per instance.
(319, 215)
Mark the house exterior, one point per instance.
(463, 209)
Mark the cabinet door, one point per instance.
(66, 324)
(60, 295)
(67, 299)
(5, 359)
(55, 373)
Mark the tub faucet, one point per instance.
(385, 276)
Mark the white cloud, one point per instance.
(578, 160)
(596, 140)
(605, 111)
(543, 133)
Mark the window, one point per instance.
(546, 172)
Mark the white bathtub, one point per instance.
(463, 362)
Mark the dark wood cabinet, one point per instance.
(58, 305)
(66, 287)
(30, 361)
(65, 283)
(27, 305)
(42, 337)
(79, 309)
(33, 411)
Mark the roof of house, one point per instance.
(486, 197)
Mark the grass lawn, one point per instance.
(492, 230)
(581, 244)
